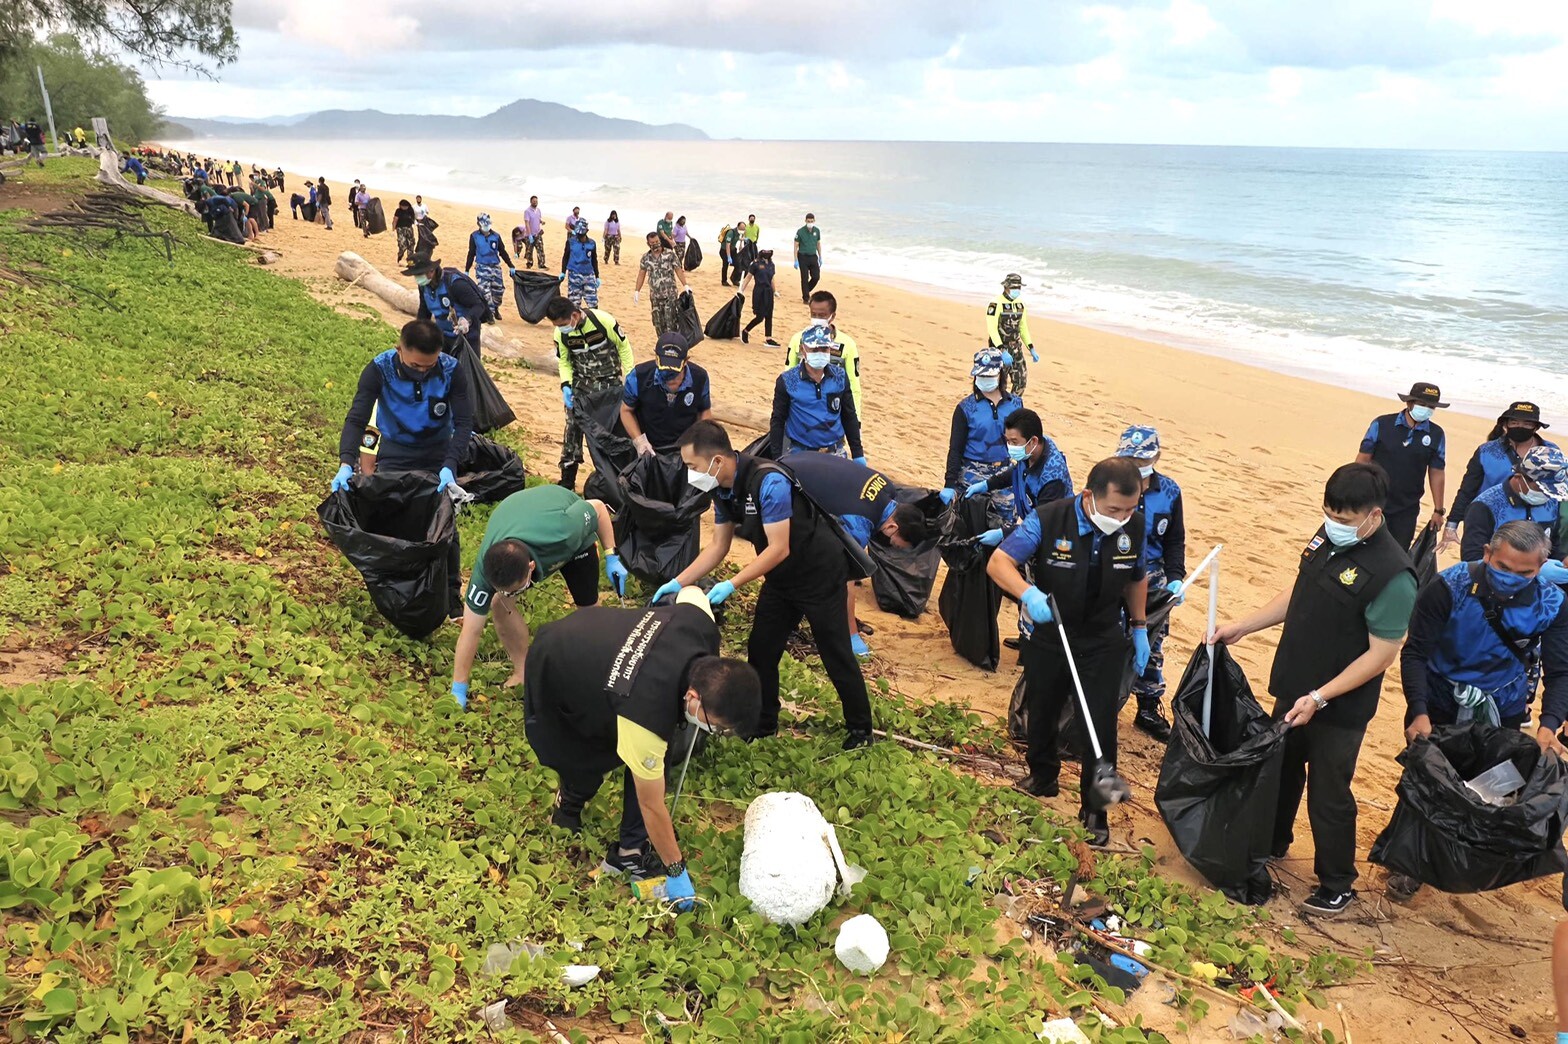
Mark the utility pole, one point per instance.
(48, 109)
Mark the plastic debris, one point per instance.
(579, 974)
(862, 944)
(494, 1016)
(1062, 1031)
(500, 957)
(791, 863)
(1247, 1024)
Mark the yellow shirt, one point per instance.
(845, 352)
(643, 751)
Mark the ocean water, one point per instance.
(1367, 269)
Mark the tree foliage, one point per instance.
(181, 33)
(82, 85)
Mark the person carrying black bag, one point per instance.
(1343, 622)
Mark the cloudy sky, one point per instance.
(1406, 73)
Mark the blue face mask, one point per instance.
(987, 384)
(1506, 584)
(1420, 414)
(1012, 294)
(1339, 533)
(1017, 453)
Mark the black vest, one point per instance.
(841, 486)
(1090, 595)
(1406, 454)
(745, 510)
(600, 663)
(665, 417)
(1326, 628)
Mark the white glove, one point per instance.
(636, 296)
(643, 445)
(461, 326)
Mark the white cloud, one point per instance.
(1190, 22)
(1285, 85)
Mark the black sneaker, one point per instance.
(1011, 643)
(1040, 788)
(857, 738)
(616, 862)
(1324, 903)
(572, 821)
(745, 337)
(1402, 888)
(1259, 890)
(1098, 827)
(1151, 721)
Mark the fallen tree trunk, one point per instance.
(109, 174)
(353, 269)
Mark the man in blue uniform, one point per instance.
(1087, 553)
(801, 560)
(1165, 555)
(1343, 622)
(1413, 451)
(1532, 494)
(412, 412)
(813, 406)
(1517, 432)
(977, 441)
(450, 299)
(580, 266)
(1477, 638)
(486, 255)
(664, 396)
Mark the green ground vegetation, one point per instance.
(243, 810)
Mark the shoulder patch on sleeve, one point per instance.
(990, 309)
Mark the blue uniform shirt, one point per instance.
(774, 501)
(1165, 542)
(977, 433)
(815, 414)
(1496, 506)
(1022, 543)
(1037, 484)
(1407, 454)
(485, 246)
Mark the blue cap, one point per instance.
(988, 363)
(1546, 467)
(580, 227)
(482, 219)
(816, 337)
(1139, 443)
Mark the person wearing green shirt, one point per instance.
(666, 226)
(729, 257)
(532, 535)
(808, 257)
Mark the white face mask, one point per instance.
(1341, 534)
(823, 323)
(704, 481)
(1104, 523)
(1146, 472)
(565, 329)
(1534, 497)
(818, 360)
(987, 384)
(697, 721)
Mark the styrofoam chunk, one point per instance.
(786, 867)
(862, 944)
(1062, 1031)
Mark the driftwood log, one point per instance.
(109, 174)
(355, 270)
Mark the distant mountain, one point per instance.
(525, 118)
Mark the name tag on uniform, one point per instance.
(1121, 565)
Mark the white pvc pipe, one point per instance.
(1208, 638)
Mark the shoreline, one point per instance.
(1334, 362)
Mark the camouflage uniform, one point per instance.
(1008, 326)
(663, 289)
(593, 356)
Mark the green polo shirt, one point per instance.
(1388, 617)
(667, 227)
(808, 239)
(555, 523)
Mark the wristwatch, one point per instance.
(1318, 699)
(675, 869)
(1440, 511)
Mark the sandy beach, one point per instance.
(1250, 448)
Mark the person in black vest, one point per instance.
(664, 396)
(1413, 451)
(1087, 552)
(803, 560)
(1343, 623)
(606, 687)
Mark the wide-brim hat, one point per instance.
(1423, 394)
(1524, 411)
(1547, 468)
(421, 263)
(1012, 279)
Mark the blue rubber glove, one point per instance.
(1140, 650)
(447, 479)
(615, 572)
(1036, 605)
(566, 395)
(947, 495)
(561, 278)
(991, 537)
(977, 488)
(861, 461)
(797, 264)
(679, 890)
(460, 694)
(511, 271)
(670, 587)
(1033, 355)
(1178, 590)
(340, 480)
(1007, 358)
(721, 590)
(1554, 572)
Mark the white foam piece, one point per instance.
(862, 944)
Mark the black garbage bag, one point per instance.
(760, 448)
(970, 600)
(1444, 835)
(308, 211)
(658, 532)
(687, 322)
(533, 292)
(375, 217)
(491, 411)
(490, 471)
(693, 255)
(1423, 555)
(397, 530)
(1218, 793)
(902, 578)
(425, 239)
(598, 414)
(725, 323)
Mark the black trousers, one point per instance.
(814, 589)
(1402, 525)
(810, 274)
(1048, 686)
(392, 458)
(581, 575)
(1321, 758)
(578, 787)
(762, 317)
